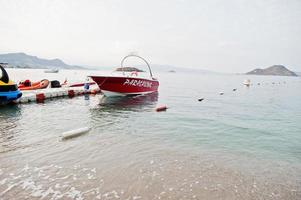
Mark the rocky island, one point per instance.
(128, 69)
(275, 70)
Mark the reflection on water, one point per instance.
(9, 116)
(129, 103)
(10, 111)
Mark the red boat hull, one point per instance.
(125, 85)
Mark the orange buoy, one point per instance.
(93, 92)
(161, 108)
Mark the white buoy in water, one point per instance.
(247, 82)
(75, 133)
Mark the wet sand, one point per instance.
(170, 175)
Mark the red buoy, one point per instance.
(71, 93)
(161, 108)
(40, 97)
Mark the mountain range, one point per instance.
(22, 60)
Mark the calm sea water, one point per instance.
(244, 144)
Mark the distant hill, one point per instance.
(275, 70)
(22, 60)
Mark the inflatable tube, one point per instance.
(75, 133)
(34, 86)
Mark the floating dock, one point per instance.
(41, 95)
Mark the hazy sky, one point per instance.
(220, 35)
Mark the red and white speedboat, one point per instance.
(127, 83)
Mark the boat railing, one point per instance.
(133, 55)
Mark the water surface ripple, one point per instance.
(244, 144)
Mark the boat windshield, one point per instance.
(137, 74)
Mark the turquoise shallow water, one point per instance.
(251, 135)
(261, 121)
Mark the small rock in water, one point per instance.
(201, 99)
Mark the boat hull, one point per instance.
(10, 96)
(9, 91)
(125, 86)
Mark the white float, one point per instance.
(49, 93)
(75, 133)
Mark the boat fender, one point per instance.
(40, 98)
(75, 133)
(71, 93)
(161, 108)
